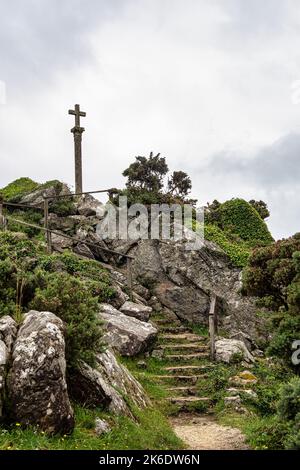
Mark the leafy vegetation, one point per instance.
(18, 188)
(240, 218)
(273, 275)
(238, 252)
(125, 433)
(145, 183)
(71, 300)
(63, 284)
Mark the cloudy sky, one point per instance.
(214, 85)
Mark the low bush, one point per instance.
(70, 299)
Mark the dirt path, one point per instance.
(201, 432)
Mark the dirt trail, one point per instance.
(201, 432)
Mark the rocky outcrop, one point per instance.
(127, 335)
(37, 197)
(228, 349)
(141, 312)
(37, 379)
(3, 365)
(89, 206)
(183, 281)
(107, 385)
(60, 243)
(8, 333)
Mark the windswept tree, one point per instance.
(179, 184)
(147, 173)
(261, 207)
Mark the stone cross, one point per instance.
(77, 132)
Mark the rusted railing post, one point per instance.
(212, 326)
(129, 276)
(46, 225)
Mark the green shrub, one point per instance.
(64, 284)
(289, 404)
(289, 413)
(96, 278)
(18, 188)
(271, 270)
(266, 434)
(30, 216)
(70, 299)
(237, 252)
(63, 207)
(240, 217)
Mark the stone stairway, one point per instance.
(185, 361)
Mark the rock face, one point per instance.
(141, 312)
(127, 335)
(8, 333)
(36, 197)
(106, 385)
(3, 364)
(89, 206)
(60, 243)
(227, 349)
(183, 280)
(37, 382)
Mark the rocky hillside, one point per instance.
(70, 326)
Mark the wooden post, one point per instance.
(129, 277)
(46, 225)
(212, 326)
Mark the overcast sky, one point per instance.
(214, 85)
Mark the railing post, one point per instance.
(46, 225)
(129, 276)
(212, 325)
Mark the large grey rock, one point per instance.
(8, 331)
(83, 250)
(183, 281)
(120, 297)
(139, 311)
(37, 196)
(37, 380)
(65, 224)
(107, 385)
(60, 242)
(127, 335)
(3, 365)
(88, 206)
(227, 349)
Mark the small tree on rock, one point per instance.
(147, 173)
(179, 184)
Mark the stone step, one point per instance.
(182, 337)
(200, 347)
(185, 401)
(174, 329)
(183, 390)
(185, 369)
(186, 357)
(166, 322)
(180, 378)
